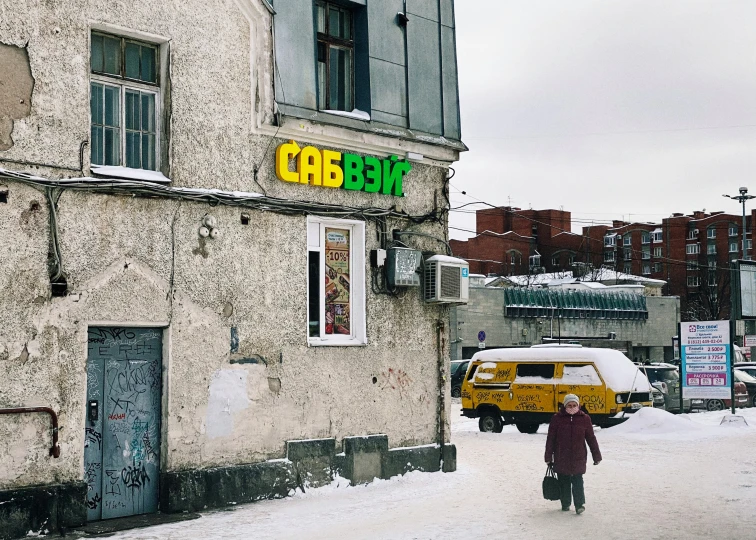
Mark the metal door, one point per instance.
(122, 434)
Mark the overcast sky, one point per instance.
(609, 109)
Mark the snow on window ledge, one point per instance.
(355, 114)
(128, 173)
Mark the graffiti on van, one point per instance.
(592, 403)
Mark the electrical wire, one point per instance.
(215, 197)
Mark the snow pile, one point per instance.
(650, 421)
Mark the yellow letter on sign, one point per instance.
(284, 153)
(333, 176)
(309, 165)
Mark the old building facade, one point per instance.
(189, 291)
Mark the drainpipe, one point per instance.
(440, 327)
(55, 449)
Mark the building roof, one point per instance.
(602, 276)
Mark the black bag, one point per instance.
(550, 485)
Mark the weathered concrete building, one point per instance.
(193, 296)
(640, 326)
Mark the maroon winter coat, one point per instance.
(565, 444)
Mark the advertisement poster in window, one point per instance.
(337, 263)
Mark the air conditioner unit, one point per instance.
(446, 279)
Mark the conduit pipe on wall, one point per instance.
(55, 449)
(440, 328)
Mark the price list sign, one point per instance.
(705, 348)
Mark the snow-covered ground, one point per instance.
(663, 476)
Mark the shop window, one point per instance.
(124, 102)
(336, 282)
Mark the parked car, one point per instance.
(666, 378)
(747, 367)
(526, 386)
(750, 382)
(741, 400)
(458, 370)
(657, 396)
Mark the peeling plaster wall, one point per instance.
(133, 261)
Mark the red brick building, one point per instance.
(691, 253)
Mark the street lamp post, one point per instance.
(742, 198)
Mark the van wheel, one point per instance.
(456, 391)
(490, 422)
(527, 428)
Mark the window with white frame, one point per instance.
(693, 249)
(692, 233)
(657, 267)
(646, 269)
(711, 249)
(627, 240)
(693, 281)
(628, 268)
(124, 102)
(657, 252)
(733, 247)
(336, 282)
(691, 265)
(657, 236)
(555, 260)
(733, 230)
(627, 254)
(609, 240)
(712, 280)
(609, 256)
(645, 237)
(646, 252)
(711, 232)
(748, 244)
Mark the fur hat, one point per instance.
(570, 397)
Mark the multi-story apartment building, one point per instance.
(191, 192)
(692, 253)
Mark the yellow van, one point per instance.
(526, 387)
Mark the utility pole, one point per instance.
(742, 198)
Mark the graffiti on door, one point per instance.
(123, 422)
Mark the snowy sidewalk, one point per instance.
(663, 477)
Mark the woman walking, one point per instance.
(569, 431)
